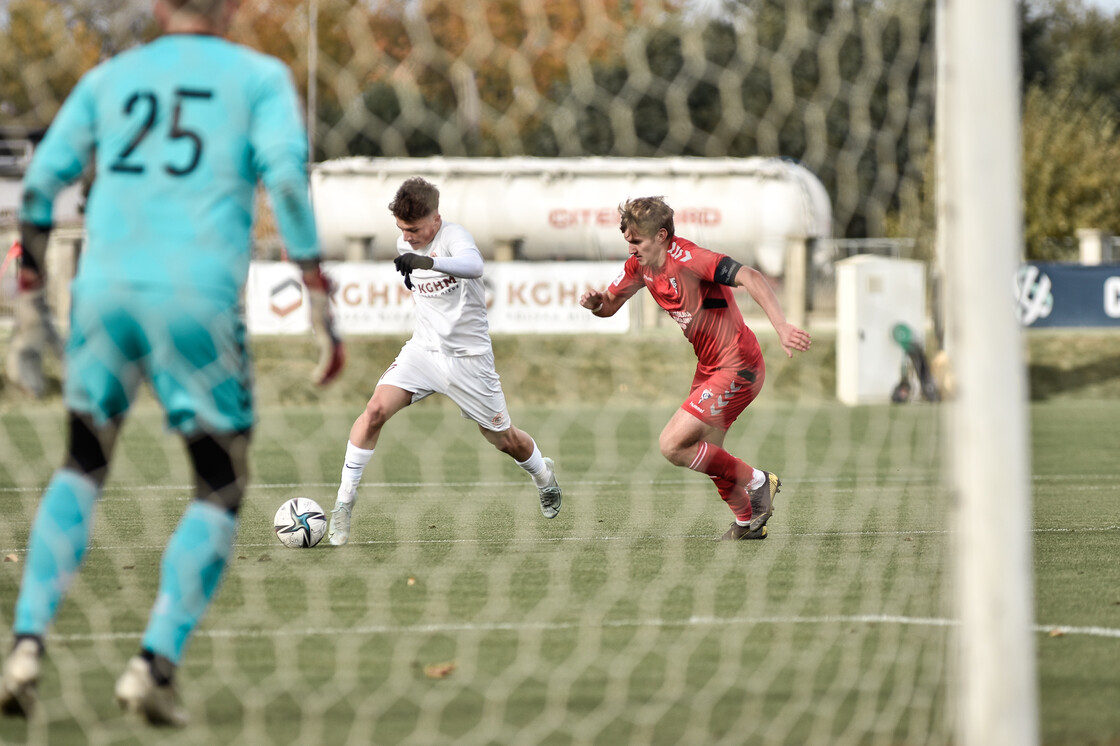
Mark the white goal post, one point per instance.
(996, 693)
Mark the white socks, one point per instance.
(352, 468)
(536, 468)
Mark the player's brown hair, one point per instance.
(646, 216)
(415, 199)
(201, 8)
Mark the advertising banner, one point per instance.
(1068, 295)
(370, 298)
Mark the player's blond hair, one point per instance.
(646, 216)
(415, 199)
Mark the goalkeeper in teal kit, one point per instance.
(181, 130)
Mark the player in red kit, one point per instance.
(694, 285)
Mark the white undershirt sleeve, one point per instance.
(466, 264)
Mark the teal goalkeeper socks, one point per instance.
(58, 542)
(191, 571)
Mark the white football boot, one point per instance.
(20, 681)
(339, 530)
(138, 693)
(551, 493)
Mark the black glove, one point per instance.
(34, 239)
(405, 263)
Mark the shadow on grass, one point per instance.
(1052, 381)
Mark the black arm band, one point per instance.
(726, 271)
(34, 239)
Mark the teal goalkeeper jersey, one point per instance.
(181, 131)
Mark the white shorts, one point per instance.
(469, 380)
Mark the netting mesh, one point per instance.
(845, 88)
(458, 614)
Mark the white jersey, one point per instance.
(450, 311)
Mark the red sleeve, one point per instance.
(629, 280)
(703, 262)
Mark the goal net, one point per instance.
(458, 614)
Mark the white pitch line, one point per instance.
(589, 539)
(857, 483)
(264, 486)
(696, 621)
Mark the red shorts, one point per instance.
(718, 399)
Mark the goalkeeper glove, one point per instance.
(332, 354)
(33, 333)
(33, 240)
(405, 263)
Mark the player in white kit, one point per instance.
(449, 353)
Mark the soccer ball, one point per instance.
(300, 522)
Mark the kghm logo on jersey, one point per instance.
(1033, 295)
(434, 288)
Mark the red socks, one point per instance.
(730, 475)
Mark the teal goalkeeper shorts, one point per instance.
(190, 349)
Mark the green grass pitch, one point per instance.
(459, 615)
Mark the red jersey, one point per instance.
(705, 310)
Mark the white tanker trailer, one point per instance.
(753, 209)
